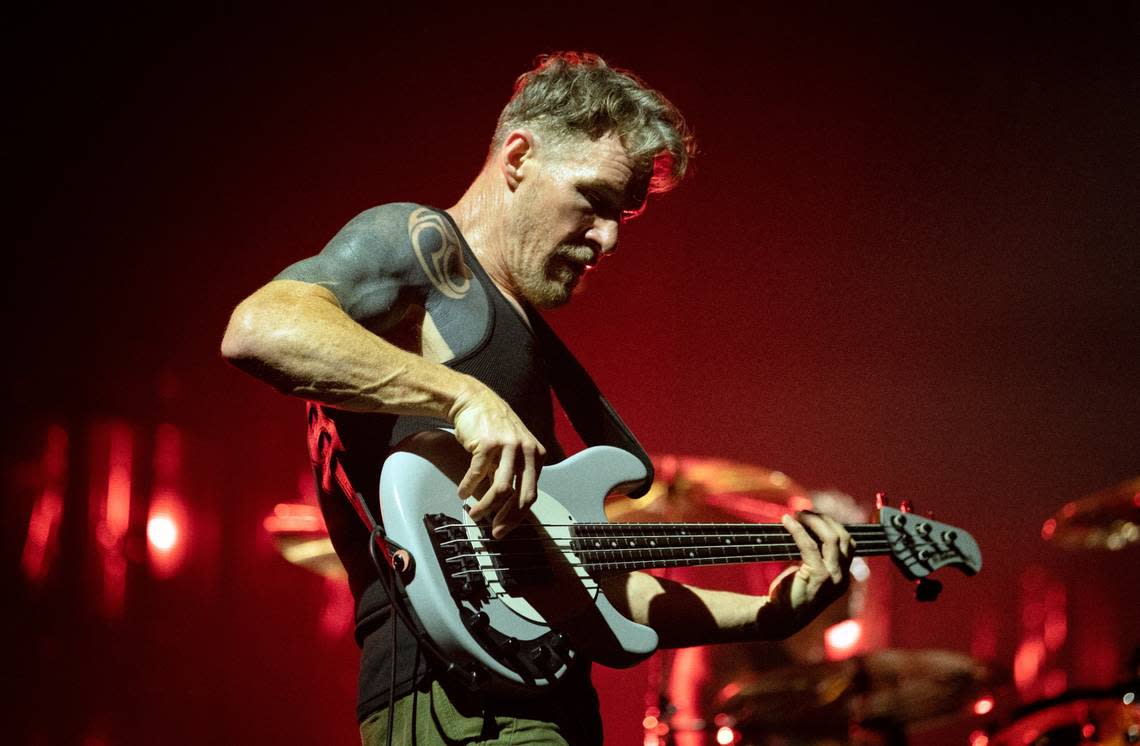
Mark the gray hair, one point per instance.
(572, 94)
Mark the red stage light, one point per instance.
(294, 517)
(109, 510)
(1027, 662)
(979, 738)
(162, 532)
(725, 735)
(166, 534)
(842, 640)
(984, 705)
(42, 539)
(43, 536)
(167, 521)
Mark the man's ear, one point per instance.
(516, 150)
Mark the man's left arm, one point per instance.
(686, 615)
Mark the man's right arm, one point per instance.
(305, 333)
(296, 335)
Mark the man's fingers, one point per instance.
(502, 485)
(507, 518)
(489, 504)
(505, 473)
(775, 584)
(809, 550)
(525, 492)
(828, 538)
(528, 478)
(846, 543)
(480, 465)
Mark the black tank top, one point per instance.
(508, 360)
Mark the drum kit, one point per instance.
(788, 694)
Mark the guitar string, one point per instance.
(872, 539)
(626, 541)
(665, 552)
(617, 542)
(742, 527)
(712, 529)
(648, 554)
(616, 564)
(568, 544)
(584, 530)
(686, 539)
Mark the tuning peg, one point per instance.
(881, 500)
(905, 506)
(926, 589)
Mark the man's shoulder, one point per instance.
(417, 244)
(402, 225)
(393, 214)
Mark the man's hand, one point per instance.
(800, 593)
(503, 452)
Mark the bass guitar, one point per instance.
(517, 611)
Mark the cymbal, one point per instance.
(1109, 519)
(300, 535)
(689, 488)
(1086, 716)
(883, 689)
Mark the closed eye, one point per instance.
(603, 206)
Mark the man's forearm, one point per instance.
(295, 336)
(685, 615)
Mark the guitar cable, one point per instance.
(389, 576)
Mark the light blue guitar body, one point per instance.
(524, 633)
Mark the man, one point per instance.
(413, 318)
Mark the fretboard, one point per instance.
(624, 547)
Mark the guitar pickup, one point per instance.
(519, 558)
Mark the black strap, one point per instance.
(591, 414)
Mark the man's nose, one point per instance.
(605, 234)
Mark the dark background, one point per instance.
(906, 259)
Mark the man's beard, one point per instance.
(554, 283)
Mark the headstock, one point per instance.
(922, 545)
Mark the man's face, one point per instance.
(566, 214)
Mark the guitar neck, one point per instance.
(625, 547)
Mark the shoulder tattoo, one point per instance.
(437, 248)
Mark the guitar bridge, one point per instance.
(456, 556)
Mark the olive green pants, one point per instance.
(430, 717)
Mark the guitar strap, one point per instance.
(325, 451)
(591, 414)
